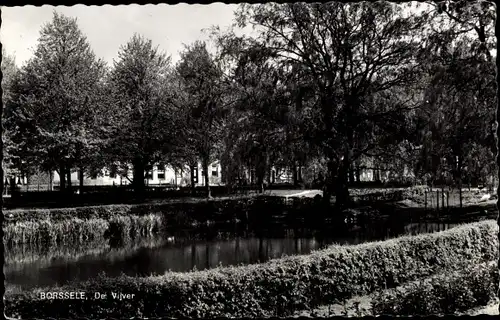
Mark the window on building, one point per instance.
(161, 171)
(194, 174)
(149, 174)
(215, 173)
(113, 171)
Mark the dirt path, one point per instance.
(491, 309)
(355, 307)
(364, 309)
(294, 193)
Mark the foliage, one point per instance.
(203, 105)
(55, 101)
(122, 221)
(455, 125)
(141, 121)
(348, 82)
(256, 135)
(452, 21)
(278, 287)
(9, 73)
(406, 88)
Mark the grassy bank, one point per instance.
(276, 288)
(76, 230)
(67, 225)
(108, 211)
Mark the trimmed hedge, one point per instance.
(446, 293)
(278, 287)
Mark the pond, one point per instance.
(181, 251)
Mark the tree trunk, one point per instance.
(341, 185)
(192, 179)
(351, 174)
(358, 173)
(260, 170)
(459, 169)
(207, 182)
(138, 177)
(295, 175)
(329, 183)
(51, 180)
(12, 186)
(62, 178)
(81, 176)
(260, 180)
(175, 177)
(261, 186)
(68, 178)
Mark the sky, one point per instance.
(109, 27)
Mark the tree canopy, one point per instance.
(341, 87)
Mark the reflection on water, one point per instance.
(185, 252)
(417, 228)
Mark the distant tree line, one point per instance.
(330, 84)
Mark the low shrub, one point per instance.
(98, 222)
(446, 293)
(76, 230)
(108, 211)
(278, 287)
(70, 230)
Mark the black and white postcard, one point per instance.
(250, 160)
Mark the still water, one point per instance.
(180, 251)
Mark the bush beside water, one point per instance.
(79, 230)
(67, 225)
(108, 211)
(446, 293)
(278, 287)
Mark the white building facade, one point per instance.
(160, 175)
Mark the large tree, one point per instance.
(456, 123)
(352, 57)
(55, 98)
(204, 104)
(456, 20)
(256, 133)
(142, 125)
(11, 159)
